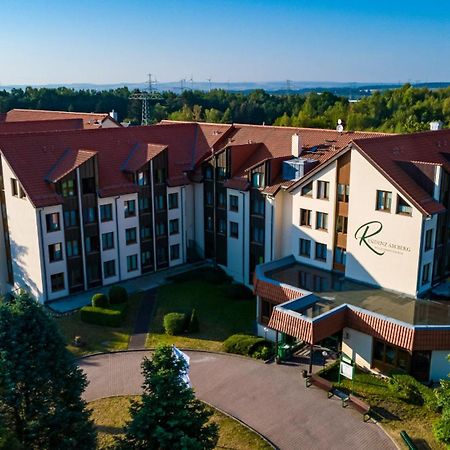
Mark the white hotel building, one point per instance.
(339, 233)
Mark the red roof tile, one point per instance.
(140, 155)
(41, 125)
(70, 160)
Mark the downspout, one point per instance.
(117, 238)
(243, 237)
(153, 215)
(83, 247)
(41, 246)
(183, 240)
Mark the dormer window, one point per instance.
(68, 188)
(160, 176)
(403, 207)
(208, 173)
(142, 178)
(258, 179)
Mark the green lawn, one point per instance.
(219, 316)
(110, 415)
(99, 338)
(392, 412)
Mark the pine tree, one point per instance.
(168, 415)
(40, 384)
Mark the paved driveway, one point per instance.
(270, 398)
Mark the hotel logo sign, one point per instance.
(366, 233)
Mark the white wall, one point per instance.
(24, 238)
(440, 365)
(427, 257)
(397, 230)
(291, 220)
(107, 227)
(357, 346)
(176, 214)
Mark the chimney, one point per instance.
(296, 145)
(436, 125)
(114, 115)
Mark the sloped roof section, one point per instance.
(69, 161)
(140, 155)
(40, 125)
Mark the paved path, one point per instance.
(142, 324)
(270, 398)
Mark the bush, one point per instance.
(248, 345)
(265, 352)
(100, 301)
(442, 428)
(193, 322)
(175, 323)
(113, 316)
(118, 295)
(237, 291)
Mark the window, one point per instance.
(93, 272)
(384, 199)
(68, 188)
(52, 221)
(142, 178)
(221, 201)
(426, 274)
(21, 192)
(106, 212)
(145, 232)
(257, 234)
(323, 188)
(130, 208)
(55, 252)
(174, 226)
(258, 206)
(321, 252)
(160, 229)
(173, 200)
(109, 268)
(403, 207)
(209, 223)
(71, 218)
(234, 230)
(174, 252)
(209, 198)
(307, 190)
(341, 224)
(130, 236)
(304, 248)
(393, 356)
(222, 226)
(321, 221)
(88, 185)
(146, 258)
(340, 255)
(72, 248)
(161, 254)
(343, 192)
(221, 173)
(57, 282)
(258, 179)
(305, 217)
(160, 175)
(234, 203)
(144, 204)
(91, 244)
(428, 240)
(159, 202)
(89, 215)
(76, 276)
(208, 173)
(132, 263)
(108, 241)
(14, 187)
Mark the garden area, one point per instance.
(104, 326)
(110, 415)
(400, 403)
(220, 309)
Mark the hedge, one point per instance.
(100, 301)
(118, 295)
(175, 323)
(113, 316)
(248, 345)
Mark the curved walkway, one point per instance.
(271, 399)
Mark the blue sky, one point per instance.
(108, 41)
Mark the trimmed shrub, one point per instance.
(247, 345)
(175, 323)
(112, 316)
(237, 291)
(193, 322)
(118, 295)
(100, 301)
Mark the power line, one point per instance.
(146, 96)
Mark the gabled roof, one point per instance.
(140, 155)
(70, 160)
(40, 125)
(90, 120)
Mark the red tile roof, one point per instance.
(40, 125)
(90, 120)
(140, 155)
(70, 160)
(395, 156)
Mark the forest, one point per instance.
(407, 109)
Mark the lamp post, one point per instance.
(265, 332)
(324, 356)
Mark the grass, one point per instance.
(219, 316)
(394, 413)
(99, 338)
(110, 415)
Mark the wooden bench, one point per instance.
(328, 387)
(361, 406)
